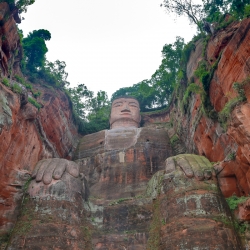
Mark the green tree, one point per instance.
(35, 48)
(192, 9)
(165, 78)
(91, 112)
(142, 91)
(156, 92)
(54, 73)
(20, 4)
(80, 97)
(99, 112)
(237, 7)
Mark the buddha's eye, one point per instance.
(133, 105)
(117, 105)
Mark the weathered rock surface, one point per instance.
(119, 164)
(52, 217)
(28, 135)
(231, 49)
(189, 213)
(10, 50)
(161, 217)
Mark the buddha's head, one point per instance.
(125, 112)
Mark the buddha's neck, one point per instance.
(124, 123)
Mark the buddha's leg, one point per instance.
(52, 216)
(189, 212)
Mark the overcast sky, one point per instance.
(106, 44)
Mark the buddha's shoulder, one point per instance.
(91, 144)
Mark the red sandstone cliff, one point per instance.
(26, 133)
(228, 147)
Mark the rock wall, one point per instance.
(26, 133)
(29, 135)
(228, 145)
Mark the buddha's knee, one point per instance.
(189, 207)
(52, 214)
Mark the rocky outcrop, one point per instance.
(29, 135)
(119, 164)
(226, 143)
(26, 133)
(10, 49)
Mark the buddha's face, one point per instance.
(125, 112)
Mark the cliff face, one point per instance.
(227, 144)
(26, 133)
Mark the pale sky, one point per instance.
(106, 44)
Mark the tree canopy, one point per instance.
(35, 48)
(93, 111)
(156, 92)
(20, 4)
(210, 10)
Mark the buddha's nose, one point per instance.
(126, 108)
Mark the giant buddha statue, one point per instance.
(125, 190)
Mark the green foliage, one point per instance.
(99, 112)
(20, 79)
(241, 227)
(232, 156)
(247, 10)
(23, 82)
(188, 48)
(192, 9)
(239, 87)
(116, 202)
(234, 201)
(20, 4)
(225, 22)
(80, 97)
(237, 7)
(35, 65)
(203, 74)
(174, 139)
(213, 11)
(54, 73)
(36, 94)
(35, 49)
(156, 92)
(34, 102)
(16, 88)
(225, 113)
(192, 88)
(5, 81)
(90, 113)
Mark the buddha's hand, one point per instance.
(195, 166)
(54, 168)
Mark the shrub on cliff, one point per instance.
(20, 4)
(35, 48)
